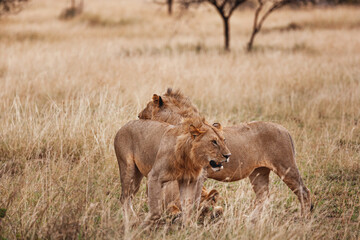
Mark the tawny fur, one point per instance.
(176, 102)
(165, 153)
(257, 148)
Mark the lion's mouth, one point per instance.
(215, 166)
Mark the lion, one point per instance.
(257, 148)
(183, 153)
(140, 144)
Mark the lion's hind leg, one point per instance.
(130, 177)
(293, 180)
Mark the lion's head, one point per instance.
(206, 144)
(172, 108)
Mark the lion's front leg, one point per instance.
(199, 188)
(187, 198)
(154, 199)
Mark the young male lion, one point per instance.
(184, 152)
(144, 148)
(257, 148)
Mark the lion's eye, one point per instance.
(214, 142)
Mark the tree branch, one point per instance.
(236, 4)
(258, 23)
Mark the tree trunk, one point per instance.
(81, 6)
(170, 2)
(251, 41)
(226, 33)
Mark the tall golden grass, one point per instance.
(68, 86)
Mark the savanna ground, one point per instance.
(68, 86)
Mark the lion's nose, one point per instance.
(139, 116)
(227, 155)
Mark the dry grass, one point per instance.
(67, 87)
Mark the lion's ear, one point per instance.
(217, 125)
(157, 100)
(194, 131)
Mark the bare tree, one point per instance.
(170, 4)
(11, 6)
(258, 21)
(73, 10)
(225, 8)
